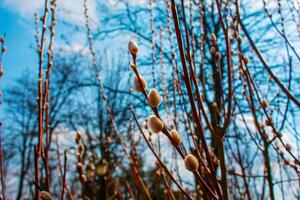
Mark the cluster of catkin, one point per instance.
(88, 173)
(155, 122)
(80, 149)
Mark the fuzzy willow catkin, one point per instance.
(213, 37)
(133, 66)
(102, 168)
(133, 47)
(80, 167)
(154, 98)
(83, 178)
(78, 137)
(264, 103)
(46, 195)
(191, 163)
(80, 148)
(176, 137)
(239, 39)
(213, 50)
(155, 124)
(140, 86)
(246, 59)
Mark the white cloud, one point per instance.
(73, 11)
(68, 10)
(24, 8)
(65, 49)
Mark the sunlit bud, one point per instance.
(214, 105)
(264, 103)
(83, 178)
(140, 85)
(154, 98)
(133, 66)
(213, 37)
(46, 195)
(158, 173)
(191, 162)
(213, 50)
(195, 137)
(101, 168)
(80, 167)
(155, 124)
(90, 173)
(239, 39)
(91, 166)
(78, 137)
(80, 148)
(246, 59)
(176, 138)
(133, 47)
(243, 92)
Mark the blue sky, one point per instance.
(19, 40)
